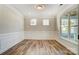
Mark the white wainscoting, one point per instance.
(10, 39)
(40, 35)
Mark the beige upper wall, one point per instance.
(39, 26)
(10, 20)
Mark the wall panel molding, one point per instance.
(10, 39)
(40, 35)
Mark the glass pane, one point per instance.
(46, 22)
(64, 26)
(74, 28)
(33, 22)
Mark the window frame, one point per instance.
(45, 22)
(69, 27)
(33, 22)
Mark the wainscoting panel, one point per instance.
(40, 35)
(8, 40)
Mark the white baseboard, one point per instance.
(40, 35)
(10, 39)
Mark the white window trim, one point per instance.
(33, 22)
(45, 22)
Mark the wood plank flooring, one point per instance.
(38, 47)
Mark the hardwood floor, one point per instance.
(38, 47)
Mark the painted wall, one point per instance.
(10, 21)
(39, 26)
(40, 31)
(11, 27)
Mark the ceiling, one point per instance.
(28, 10)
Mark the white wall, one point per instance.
(71, 46)
(41, 35)
(11, 27)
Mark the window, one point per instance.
(64, 26)
(69, 26)
(74, 27)
(33, 22)
(46, 22)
